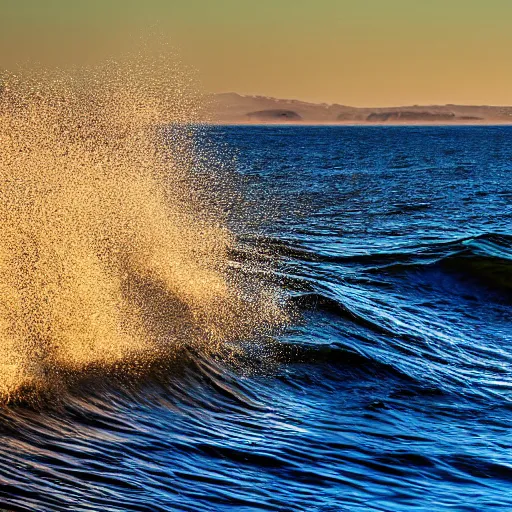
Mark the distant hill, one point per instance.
(237, 108)
(274, 115)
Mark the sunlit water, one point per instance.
(390, 390)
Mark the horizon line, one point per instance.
(262, 96)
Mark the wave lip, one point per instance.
(109, 256)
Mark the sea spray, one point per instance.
(108, 255)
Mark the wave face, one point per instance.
(335, 338)
(109, 254)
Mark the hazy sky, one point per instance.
(355, 52)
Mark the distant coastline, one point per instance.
(233, 108)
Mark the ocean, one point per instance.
(388, 386)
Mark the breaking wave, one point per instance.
(110, 256)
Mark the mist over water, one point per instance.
(110, 255)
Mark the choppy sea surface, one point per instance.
(392, 388)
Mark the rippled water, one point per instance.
(391, 391)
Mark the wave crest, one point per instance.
(107, 252)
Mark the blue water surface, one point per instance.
(390, 391)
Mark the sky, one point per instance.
(353, 52)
